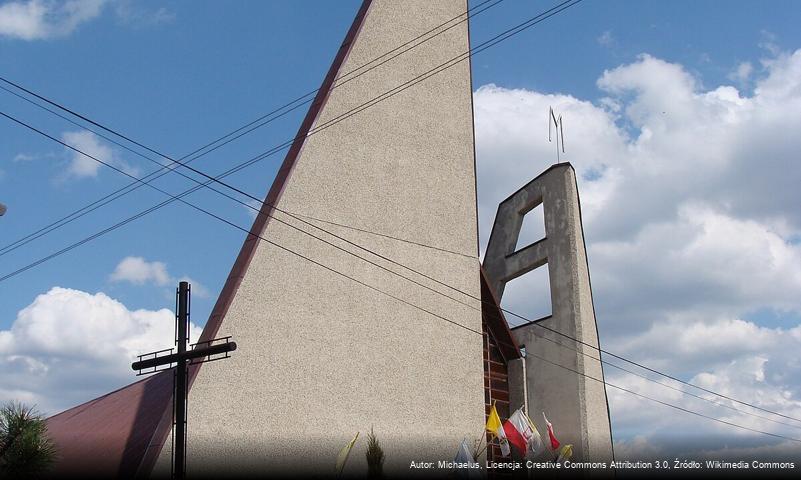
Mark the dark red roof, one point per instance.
(108, 436)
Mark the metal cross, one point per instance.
(161, 360)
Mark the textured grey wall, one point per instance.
(321, 357)
(576, 405)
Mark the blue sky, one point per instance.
(175, 75)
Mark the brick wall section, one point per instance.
(496, 385)
(500, 348)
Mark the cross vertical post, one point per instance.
(179, 396)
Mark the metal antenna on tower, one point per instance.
(558, 129)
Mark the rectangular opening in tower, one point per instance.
(529, 296)
(533, 229)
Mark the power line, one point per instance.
(664, 403)
(411, 280)
(660, 373)
(699, 396)
(178, 198)
(71, 147)
(713, 402)
(371, 232)
(455, 60)
(614, 386)
(385, 258)
(386, 95)
(259, 122)
(437, 315)
(540, 336)
(574, 339)
(304, 257)
(645, 367)
(172, 168)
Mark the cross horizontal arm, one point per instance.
(191, 354)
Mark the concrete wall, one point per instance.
(321, 357)
(575, 404)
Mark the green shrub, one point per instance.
(375, 456)
(25, 449)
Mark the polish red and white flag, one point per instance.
(518, 431)
(554, 442)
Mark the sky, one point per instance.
(678, 117)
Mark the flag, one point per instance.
(343, 454)
(535, 444)
(518, 431)
(551, 436)
(493, 420)
(464, 455)
(565, 454)
(495, 427)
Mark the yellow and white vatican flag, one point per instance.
(495, 427)
(344, 453)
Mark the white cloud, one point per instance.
(742, 73)
(702, 262)
(512, 144)
(70, 346)
(606, 39)
(689, 197)
(139, 271)
(43, 19)
(48, 19)
(198, 289)
(82, 166)
(768, 378)
(637, 448)
(783, 450)
(131, 13)
(23, 157)
(768, 42)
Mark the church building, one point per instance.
(359, 299)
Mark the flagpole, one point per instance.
(481, 438)
(525, 399)
(525, 381)
(484, 434)
(486, 444)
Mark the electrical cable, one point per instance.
(160, 172)
(776, 435)
(463, 326)
(621, 358)
(420, 284)
(455, 60)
